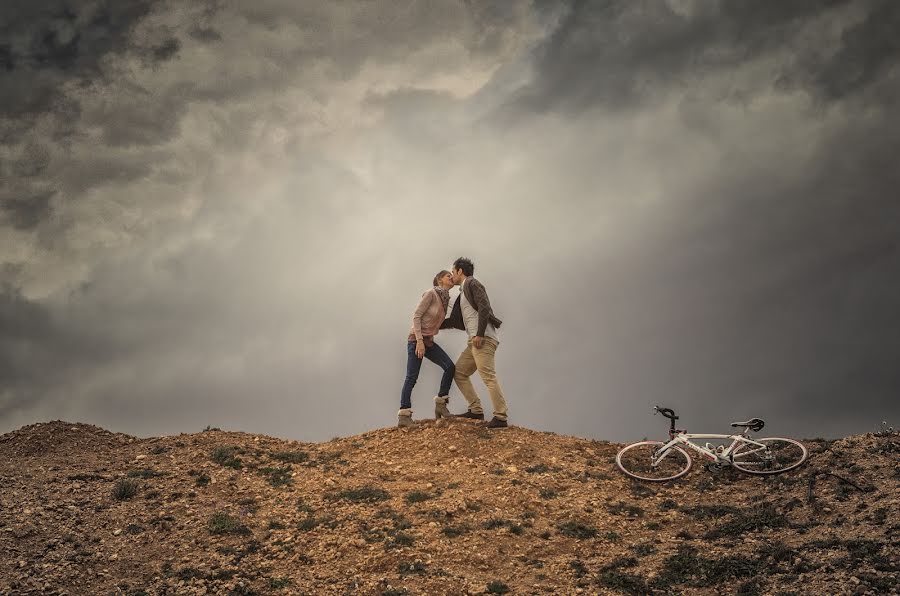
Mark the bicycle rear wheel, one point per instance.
(777, 455)
(636, 460)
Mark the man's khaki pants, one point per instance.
(482, 360)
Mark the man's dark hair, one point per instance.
(467, 266)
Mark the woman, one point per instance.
(426, 322)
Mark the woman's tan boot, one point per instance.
(404, 418)
(440, 407)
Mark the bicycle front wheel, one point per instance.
(643, 462)
(772, 456)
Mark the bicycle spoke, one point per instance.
(775, 456)
(643, 461)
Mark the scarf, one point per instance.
(444, 296)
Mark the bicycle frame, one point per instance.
(722, 457)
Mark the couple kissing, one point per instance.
(471, 313)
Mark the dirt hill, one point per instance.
(436, 509)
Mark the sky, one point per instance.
(224, 213)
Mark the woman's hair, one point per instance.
(441, 274)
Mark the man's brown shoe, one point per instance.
(470, 414)
(496, 423)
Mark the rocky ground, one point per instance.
(436, 509)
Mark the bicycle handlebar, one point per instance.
(667, 412)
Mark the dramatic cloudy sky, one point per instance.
(223, 213)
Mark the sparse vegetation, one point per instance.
(277, 476)
(365, 494)
(756, 518)
(124, 489)
(144, 473)
(412, 568)
(277, 583)
(497, 587)
(578, 530)
(457, 530)
(416, 496)
(223, 523)
(314, 534)
(291, 457)
(225, 456)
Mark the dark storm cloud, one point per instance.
(624, 54)
(768, 280)
(26, 213)
(50, 43)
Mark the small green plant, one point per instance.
(225, 456)
(494, 523)
(308, 524)
(497, 587)
(221, 523)
(400, 539)
(291, 457)
(625, 583)
(548, 493)
(276, 583)
(124, 489)
(667, 505)
(144, 473)
(249, 505)
(704, 512)
(202, 480)
(578, 568)
(538, 469)
(415, 568)
(577, 530)
(454, 531)
(416, 496)
(625, 509)
(277, 476)
(365, 494)
(85, 477)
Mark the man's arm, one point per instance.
(455, 320)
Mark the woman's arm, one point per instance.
(420, 311)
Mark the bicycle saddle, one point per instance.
(754, 424)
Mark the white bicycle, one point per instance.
(656, 461)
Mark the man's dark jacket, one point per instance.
(478, 298)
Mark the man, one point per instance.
(472, 313)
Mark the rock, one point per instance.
(117, 531)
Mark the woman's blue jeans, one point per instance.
(413, 364)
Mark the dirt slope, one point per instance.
(436, 509)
